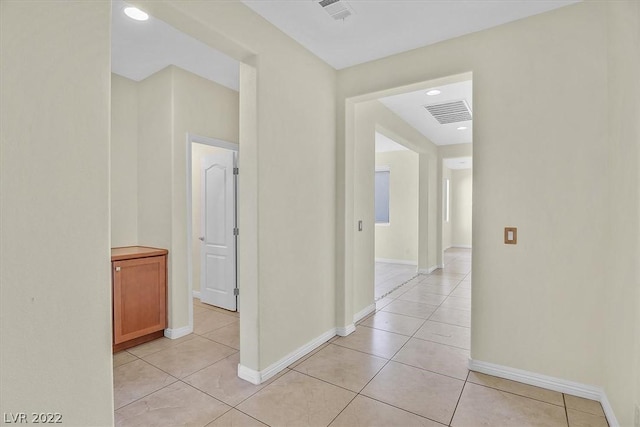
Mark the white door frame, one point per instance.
(213, 142)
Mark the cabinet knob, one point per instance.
(117, 268)
(201, 238)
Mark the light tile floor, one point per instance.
(405, 365)
(389, 276)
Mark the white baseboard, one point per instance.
(364, 313)
(248, 374)
(196, 294)
(550, 383)
(258, 377)
(396, 261)
(462, 246)
(178, 333)
(608, 411)
(427, 270)
(343, 331)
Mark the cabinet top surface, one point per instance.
(130, 252)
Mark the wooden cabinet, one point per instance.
(139, 284)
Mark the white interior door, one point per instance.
(218, 240)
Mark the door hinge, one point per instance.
(236, 171)
(236, 231)
(236, 291)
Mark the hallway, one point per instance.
(405, 365)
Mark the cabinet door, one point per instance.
(139, 297)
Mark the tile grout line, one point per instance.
(343, 409)
(459, 397)
(210, 365)
(394, 354)
(271, 381)
(149, 394)
(428, 370)
(170, 346)
(249, 415)
(448, 345)
(516, 394)
(125, 363)
(395, 289)
(205, 367)
(397, 407)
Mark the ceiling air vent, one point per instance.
(450, 112)
(337, 9)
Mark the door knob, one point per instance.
(201, 238)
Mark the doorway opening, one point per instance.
(396, 214)
(186, 78)
(434, 120)
(457, 193)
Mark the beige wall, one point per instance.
(524, 73)
(155, 125)
(621, 301)
(248, 248)
(364, 246)
(399, 240)
(461, 203)
(54, 165)
(124, 161)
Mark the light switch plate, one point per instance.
(510, 235)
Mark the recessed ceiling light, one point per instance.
(135, 13)
(433, 92)
(462, 128)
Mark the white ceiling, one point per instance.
(141, 48)
(380, 28)
(458, 163)
(384, 144)
(376, 29)
(410, 107)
